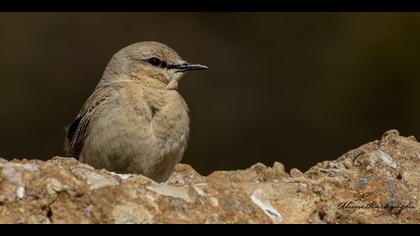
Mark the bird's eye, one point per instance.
(154, 61)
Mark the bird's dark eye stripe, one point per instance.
(157, 62)
(171, 66)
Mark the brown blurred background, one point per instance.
(291, 87)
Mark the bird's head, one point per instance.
(153, 63)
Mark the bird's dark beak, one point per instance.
(188, 67)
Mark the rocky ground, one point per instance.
(376, 183)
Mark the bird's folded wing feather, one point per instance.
(77, 132)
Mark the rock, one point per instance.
(378, 182)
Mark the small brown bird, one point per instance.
(135, 121)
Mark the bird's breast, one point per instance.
(169, 121)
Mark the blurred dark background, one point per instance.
(297, 88)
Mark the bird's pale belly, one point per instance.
(127, 144)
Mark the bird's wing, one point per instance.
(77, 132)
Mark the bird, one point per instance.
(135, 121)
